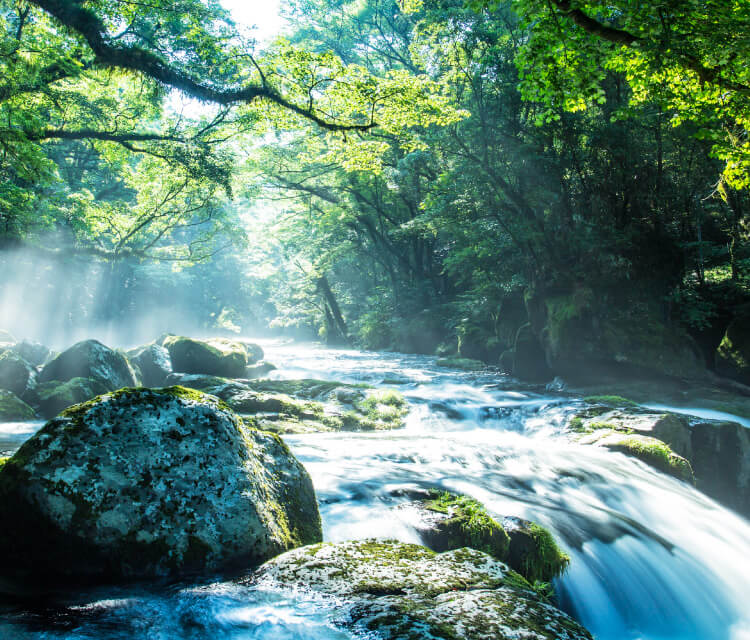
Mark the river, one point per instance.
(651, 557)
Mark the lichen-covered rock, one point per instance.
(154, 363)
(733, 353)
(216, 357)
(405, 591)
(718, 452)
(141, 483)
(13, 409)
(52, 397)
(16, 374)
(90, 359)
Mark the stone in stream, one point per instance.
(16, 374)
(715, 452)
(216, 357)
(408, 592)
(142, 483)
(50, 398)
(445, 521)
(13, 409)
(90, 359)
(154, 364)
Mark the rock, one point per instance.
(347, 395)
(465, 364)
(306, 388)
(529, 361)
(718, 452)
(404, 591)
(16, 374)
(52, 397)
(533, 551)
(216, 357)
(733, 353)
(254, 352)
(154, 364)
(142, 483)
(35, 353)
(259, 370)
(13, 409)
(90, 359)
(446, 521)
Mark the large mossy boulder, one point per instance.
(35, 353)
(717, 452)
(52, 397)
(16, 374)
(216, 357)
(90, 359)
(13, 409)
(407, 592)
(733, 353)
(154, 363)
(142, 483)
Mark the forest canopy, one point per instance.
(397, 174)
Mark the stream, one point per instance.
(651, 557)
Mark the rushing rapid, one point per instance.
(652, 558)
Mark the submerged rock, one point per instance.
(154, 363)
(465, 364)
(405, 591)
(142, 483)
(52, 397)
(216, 357)
(13, 409)
(16, 374)
(90, 359)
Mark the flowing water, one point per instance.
(652, 558)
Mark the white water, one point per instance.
(652, 558)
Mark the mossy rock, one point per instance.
(13, 409)
(533, 551)
(216, 357)
(733, 353)
(259, 370)
(143, 483)
(306, 388)
(464, 364)
(90, 359)
(153, 362)
(651, 451)
(16, 374)
(35, 353)
(407, 592)
(612, 401)
(55, 396)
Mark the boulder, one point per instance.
(35, 353)
(445, 521)
(52, 397)
(733, 353)
(465, 364)
(142, 483)
(16, 374)
(90, 359)
(397, 590)
(718, 452)
(154, 363)
(254, 352)
(13, 409)
(217, 357)
(259, 370)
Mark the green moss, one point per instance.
(469, 523)
(655, 453)
(465, 364)
(547, 560)
(383, 409)
(13, 409)
(610, 401)
(306, 388)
